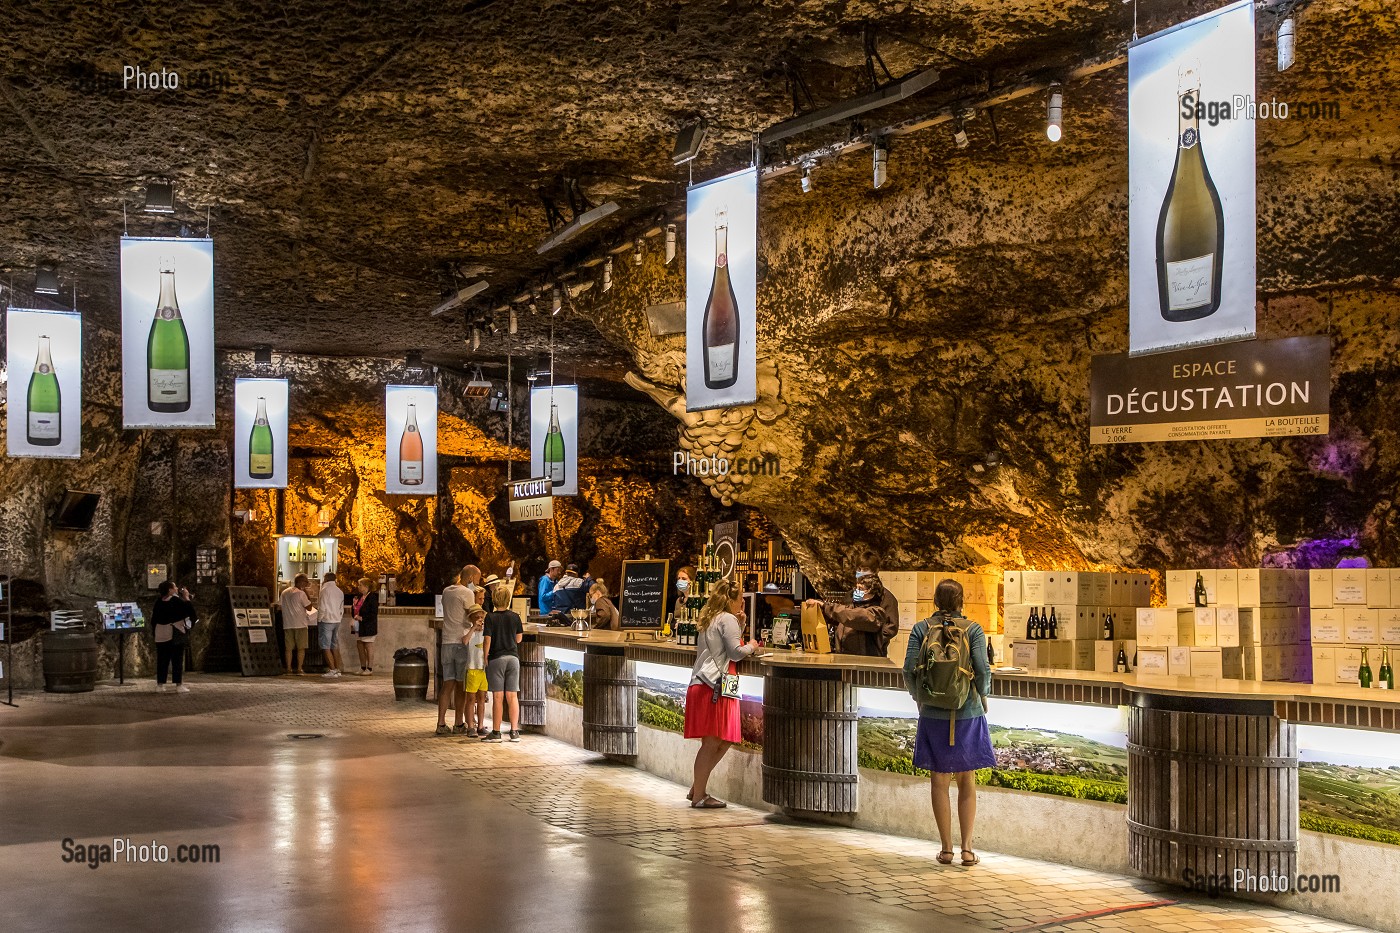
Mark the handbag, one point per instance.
(727, 686)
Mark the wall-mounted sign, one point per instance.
(260, 433)
(410, 451)
(1256, 388)
(554, 437)
(156, 574)
(726, 547)
(531, 500)
(167, 332)
(45, 362)
(721, 274)
(1191, 182)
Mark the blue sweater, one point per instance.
(981, 670)
(545, 593)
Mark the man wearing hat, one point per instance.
(546, 591)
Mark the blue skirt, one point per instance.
(971, 748)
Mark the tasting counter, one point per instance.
(1213, 763)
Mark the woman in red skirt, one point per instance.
(709, 716)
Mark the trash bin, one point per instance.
(411, 674)
(70, 662)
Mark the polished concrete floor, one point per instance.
(334, 809)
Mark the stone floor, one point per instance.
(378, 825)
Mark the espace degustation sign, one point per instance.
(531, 500)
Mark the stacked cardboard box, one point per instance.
(915, 588)
(1254, 626)
(1352, 609)
(1081, 602)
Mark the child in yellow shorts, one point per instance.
(475, 681)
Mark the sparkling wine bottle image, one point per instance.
(260, 444)
(554, 465)
(45, 405)
(411, 450)
(1191, 226)
(720, 330)
(168, 351)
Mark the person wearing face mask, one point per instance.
(684, 576)
(601, 609)
(867, 626)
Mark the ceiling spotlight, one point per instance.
(607, 274)
(1286, 34)
(688, 142)
(489, 326)
(670, 243)
(1054, 113)
(45, 281)
(557, 302)
(512, 323)
(160, 198)
(960, 135)
(637, 253)
(806, 177)
(534, 304)
(476, 338)
(882, 156)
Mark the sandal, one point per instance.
(945, 857)
(690, 795)
(708, 803)
(968, 862)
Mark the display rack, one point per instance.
(6, 618)
(253, 628)
(766, 566)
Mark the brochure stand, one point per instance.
(252, 624)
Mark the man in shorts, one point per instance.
(457, 602)
(329, 611)
(296, 616)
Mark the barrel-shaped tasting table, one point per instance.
(810, 718)
(532, 683)
(609, 701)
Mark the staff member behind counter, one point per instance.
(867, 625)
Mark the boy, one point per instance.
(475, 682)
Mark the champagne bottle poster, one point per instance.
(45, 366)
(260, 434)
(721, 287)
(1191, 244)
(410, 452)
(554, 437)
(167, 332)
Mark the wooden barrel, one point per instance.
(532, 681)
(809, 741)
(70, 662)
(410, 678)
(1212, 787)
(609, 702)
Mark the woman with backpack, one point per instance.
(946, 671)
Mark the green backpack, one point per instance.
(943, 673)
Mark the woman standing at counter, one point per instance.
(604, 613)
(960, 752)
(365, 610)
(710, 716)
(684, 576)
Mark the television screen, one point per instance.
(76, 510)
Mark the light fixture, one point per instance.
(534, 304)
(688, 142)
(882, 156)
(160, 198)
(512, 322)
(1054, 113)
(478, 386)
(670, 243)
(461, 297)
(806, 177)
(476, 338)
(45, 281)
(1286, 34)
(960, 135)
(607, 274)
(557, 301)
(576, 226)
(637, 253)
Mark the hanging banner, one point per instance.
(554, 437)
(721, 275)
(260, 433)
(410, 440)
(1259, 388)
(45, 365)
(1191, 244)
(167, 332)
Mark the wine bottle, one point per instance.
(1054, 631)
(720, 329)
(168, 352)
(1108, 626)
(1363, 674)
(1191, 225)
(1120, 663)
(45, 405)
(1200, 592)
(554, 465)
(411, 450)
(1387, 671)
(260, 444)
(1030, 625)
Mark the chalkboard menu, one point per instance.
(642, 604)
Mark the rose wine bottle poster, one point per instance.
(44, 359)
(1191, 248)
(167, 332)
(554, 437)
(260, 434)
(410, 437)
(721, 286)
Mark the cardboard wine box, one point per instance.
(1230, 629)
(1227, 587)
(1349, 586)
(1361, 626)
(1204, 628)
(1320, 589)
(1016, 619)
(1324, 664)
(1247, 585)
(1378, 593)
(1152, 661)
(1216, 662)
(1327, 627)
(1033, 587)
(1106, 654)
(1011, 587)
(1347, 664)
(1179, 661)
(1388, 626)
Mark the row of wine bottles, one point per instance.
(1386, 679)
